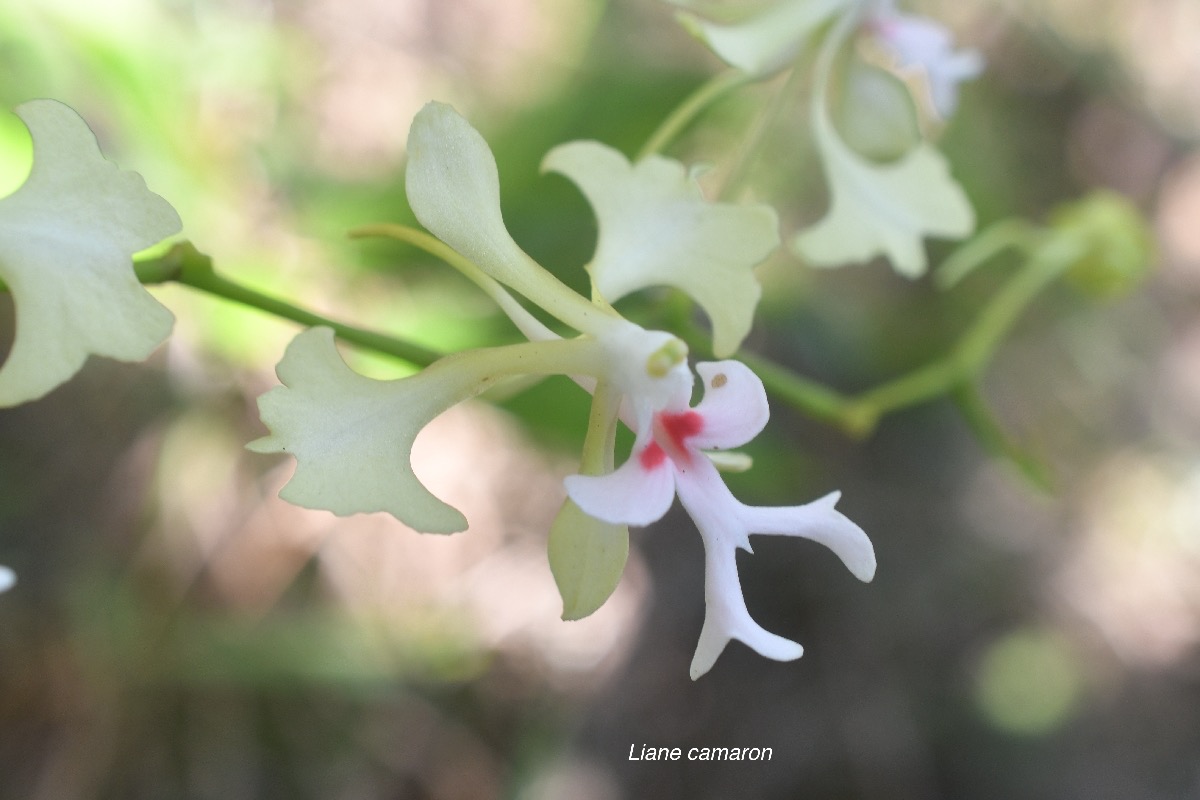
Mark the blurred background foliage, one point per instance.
(179, 632)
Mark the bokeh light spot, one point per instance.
(1028, 682)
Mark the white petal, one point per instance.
(656, 229)
(947, 74)
(352, 436)
(769, 41)
(638, 492)
(734, 407)
(883, 209)
(821, 522)
(454, 190)
(921, 43)
(717, 515)
(726, 617)
(7, 578)
(66, 241)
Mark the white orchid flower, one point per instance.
(653, 225)
(7, 578)
(352, 436)
(876, 209)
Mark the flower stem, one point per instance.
(528, 324)
(859, 414)
(692, 106)
(186, 265)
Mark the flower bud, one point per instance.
(1118, 247)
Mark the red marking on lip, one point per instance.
(681, 427)
(671, 432)
(653, 456)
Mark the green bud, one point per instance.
(1118, 244)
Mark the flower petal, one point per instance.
(734, 407)
(66, 241)
(8, 578)
(454, 190)
(717, 515)
(638, 492)
(726, 616)
(820, 522)
(883, 209)
(352, 436)
(766, 42)
(921, 43)
(656, 229)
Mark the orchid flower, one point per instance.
(921, 44)
(875, 209)
(669, 458)
(652, 219)
(348, 432)
(7, 578)
(67, 236)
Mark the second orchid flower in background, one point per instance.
(889, 188)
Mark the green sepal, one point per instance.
(587, 557)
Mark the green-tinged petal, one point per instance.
(587, 557)
(352, 436)
(884, 209)
(656, 229)
(66, 241)
(765, 42)
(454, 190)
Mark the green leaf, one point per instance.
(67, 238)
(656, 229)
(587, 557)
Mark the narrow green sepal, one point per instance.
(587, 557)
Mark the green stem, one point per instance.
(858, 415)
(993, 437)
(186, 265)
(999, 236)
(807, 396)
(528, 324)
(598, 444)
(692, 106)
